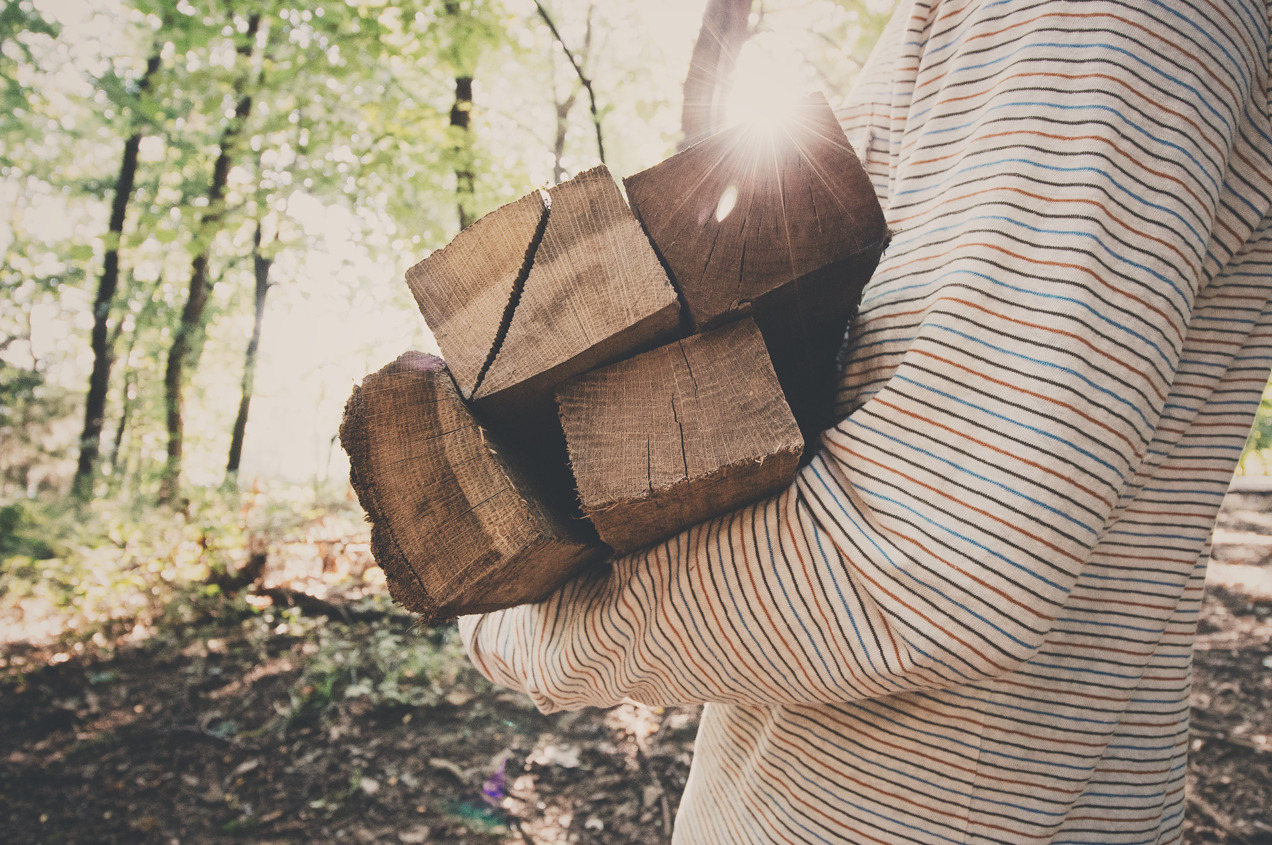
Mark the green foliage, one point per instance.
(350, 121)
(22, 539)
(1257, 455)
(21, 26)
(113, 564)
(381, 667)
(34, 435)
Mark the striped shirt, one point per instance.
(971, 617)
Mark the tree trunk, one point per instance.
(127, 394)
(563, 108)
(460, 119)
(125, 411)
(261, 266)
(724, 31)
(107, 285)
(192, 315)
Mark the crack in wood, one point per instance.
(675, 415)
(514, 297)
(685, 356)
(649, 463)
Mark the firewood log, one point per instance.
(456, 524)
(678, 434)
(541, 290)
(779, 222)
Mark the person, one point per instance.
(971, 617)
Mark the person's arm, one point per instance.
(1053, 204)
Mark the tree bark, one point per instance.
(192, 314)
(107, 285)
(125, 412)
(261, 266)
(127, 393)
(715, 55)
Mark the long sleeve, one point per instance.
(1064, 181)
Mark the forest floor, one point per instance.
(249, 723)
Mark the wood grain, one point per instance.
(678, 434)
(457, 526)
(779, 222)
(466, 289)
(595, 293)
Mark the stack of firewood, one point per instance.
(613, 374)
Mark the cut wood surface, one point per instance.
(595, 292)
(678, 435)
(456, 525)
(753, 208)
(780, 222)
(540, 290)
(466, 289)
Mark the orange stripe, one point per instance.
(1032, 393)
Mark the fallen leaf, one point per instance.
(459, 696)
(247, 766)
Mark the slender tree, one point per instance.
(565, 105)
(464, 61)
(261, 264)
(192, 315)
(107, 285)
(715, 55)
(461, 124)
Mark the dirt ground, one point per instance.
(243, 727)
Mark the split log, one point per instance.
(678, 435)
(779, 222)
(456, 525)
(540, 291)
(467, 290)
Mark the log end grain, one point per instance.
(468, 289)
(753, 208)
(678, 434)
(456, 526)
(595, 292)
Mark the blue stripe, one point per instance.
(1041, 362)
(869, 536)
(933, 589)
(882, 677)
(1010, 421)
(967, 471)
(881, 289)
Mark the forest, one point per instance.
(208, 210)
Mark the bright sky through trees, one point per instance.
(342, 212)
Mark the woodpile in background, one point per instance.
(614, 374)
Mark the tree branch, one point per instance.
(578, 70)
